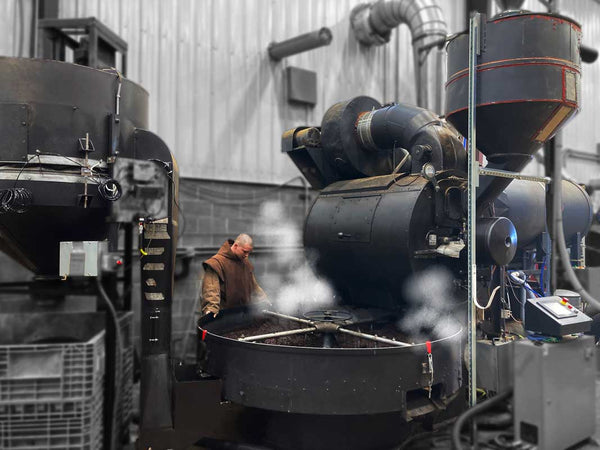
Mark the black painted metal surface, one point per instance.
(340, 143)
(496, 241)
(528, 69)
(365, 234)
(524, 203)
(528, 86)
(327, 381)
(46, 108)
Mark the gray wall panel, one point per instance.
(15, 23)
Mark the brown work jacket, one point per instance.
(228, 281)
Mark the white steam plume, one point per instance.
(432, 305)
(295, 286)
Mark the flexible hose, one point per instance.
(114, 444)
(470, 413)
(560, 234)
(568, 269)
(491, 299)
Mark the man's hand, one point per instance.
(215, 314)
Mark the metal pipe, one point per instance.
(285, 316)
(588, 54)
(373, 338)
(556, 213)
(591, 186)
(502, 300)
(372, 24)
(394, 125)
(512, 175)
(473, 182)
(261, 337)
(299, 44)
(506, 5)
(569, 153)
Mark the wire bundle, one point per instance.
(16, 200)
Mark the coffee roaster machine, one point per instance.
(79, 174)
(393, 205)
(78, 165)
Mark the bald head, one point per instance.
(242, 246)
(243, 239)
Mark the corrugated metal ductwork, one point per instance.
(373, 22)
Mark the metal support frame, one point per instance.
(570, 153)
(473, 182)
(56, 35)
(513, 175)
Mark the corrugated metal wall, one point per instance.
(217, 99)
(15, 23)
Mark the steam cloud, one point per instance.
(431, 305)
(295, 286)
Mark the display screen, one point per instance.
(558, 309)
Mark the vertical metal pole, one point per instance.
(473, 169)
(502, 301)
(128, 266)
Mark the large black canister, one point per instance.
(528, 82)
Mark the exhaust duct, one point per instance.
(373, 22)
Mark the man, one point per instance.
(229, 277)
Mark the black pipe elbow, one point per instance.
(427, 138)
(399, 125)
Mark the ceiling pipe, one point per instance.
(506, 5)
(373, 22)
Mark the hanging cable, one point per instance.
(118, 363)
(169, 172)
(229, 198)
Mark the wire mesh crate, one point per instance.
(51, 386)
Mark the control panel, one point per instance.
(554, 316)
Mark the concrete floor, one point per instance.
(594, 443)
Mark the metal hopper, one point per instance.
(528, 87)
